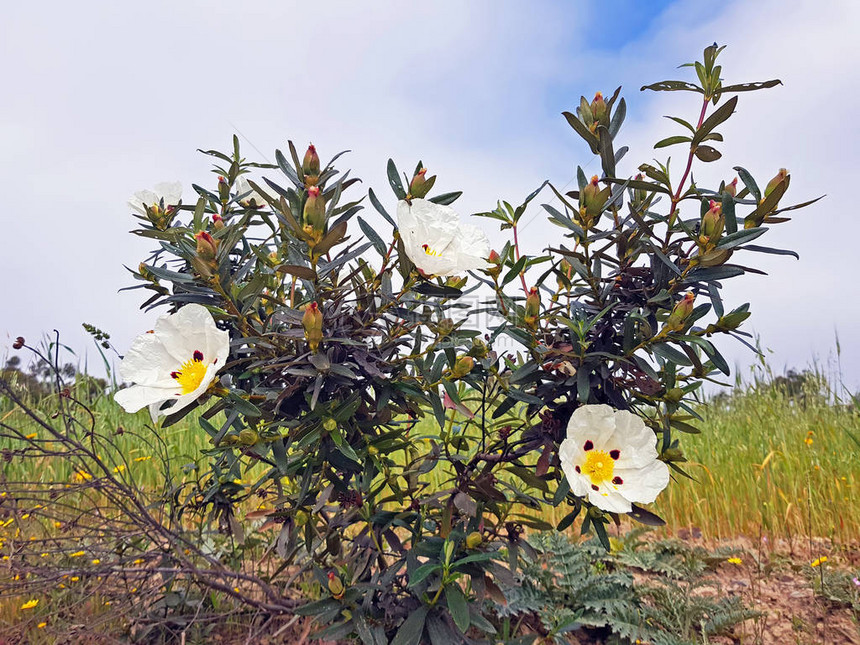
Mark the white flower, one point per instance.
(436, 241)
(174, 362)
(610, 457)
(244, 188)
(170, 192)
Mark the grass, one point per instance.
(768, 463)
(765, 462)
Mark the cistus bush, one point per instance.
(362, 381)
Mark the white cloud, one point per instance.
(111, 99)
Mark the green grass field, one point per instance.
(764, 463)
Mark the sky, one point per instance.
(103, 99)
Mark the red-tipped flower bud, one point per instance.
(532, 307)
(19, 343)
(311, 166)
(680, 312)
(599, 111)
(335, 585)
(217, 222)
(207, 246)
(496, 260)
(731, 188)
(591, 198)
(313, 215)
(713, 222)
(781, 176)
(312, 322)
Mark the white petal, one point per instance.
(149, 363)
(471, 247)
(137, 397)
(141, 199)
(595, 423)
(644, 484)
(570, 454)
(170, 191)
(191, 329)
(609, 500)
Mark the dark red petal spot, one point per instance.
(593, 487)
(615, 454)
(578, 469)
(175, 374)
(588, 445)
(617, 481)
(215, 361)
(198, 355)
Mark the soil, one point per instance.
(776, 579)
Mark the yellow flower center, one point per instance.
(191, 374)
(429, 251)
(599, 466)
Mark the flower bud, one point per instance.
(248, 437)
(599, 110)
(462, 367)
(217, 222)
(223, 189)
(713, 222)
(312, 322)
(313, 216)
(420, 184)
(565, 270)
(781, 176)
(19, 343)
(731, 188)
(311, 166)
(474, 540)
(680, 312)
(207, 246)
(496, 260)
(532, 307)
(335, 585)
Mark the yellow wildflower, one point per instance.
(143, 458)
(44, 555)
(74, 578)
(32, 435)
(77, 554)
(119, 469)
(41, 625)
(735, 561)
(30, 604)
(97, 561)
(818, 561)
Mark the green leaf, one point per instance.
(719, 116)
(672, 86)
(646, 517)
(749, 87)
(458, 607)
(740, 237)
(305, 273)
(749, 182)
(671, 141)
(411, 629)
(707, 153)
(664, 350)
(394, 180)
(379, 207)
(583, 131)
(421, 573)
(567, 520)
(372, 235)
(446, 198)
